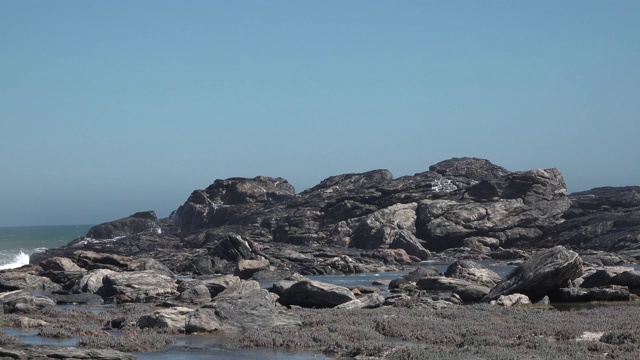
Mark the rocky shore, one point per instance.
(199, 270)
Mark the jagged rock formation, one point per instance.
(464, 207)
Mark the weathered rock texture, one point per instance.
(371, 221)
(543, 274)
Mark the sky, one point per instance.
(113, 107)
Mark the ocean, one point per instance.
(19, 242)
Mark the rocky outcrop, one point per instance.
(230, 201)
(140, 222)
(542, 274)
(513, 209)
(606, 219)
(466, 208)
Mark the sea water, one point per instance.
(19, 242)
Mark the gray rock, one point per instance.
(516, 207)
(441, 283)
(196, 294)
(241, 307)
(139, 286)
(92, 282)
(369, 301)
(60, 264)
(546, 271)
(511, 300)
(246, 268)
(315, 294)
(171, 318)
(17, 280)
(20, 301)
(473, 272)
(391, 227)
(218, 284)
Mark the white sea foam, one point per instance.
(19, 260)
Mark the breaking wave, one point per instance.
(12, 261)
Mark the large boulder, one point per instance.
(545, 272)
(133, 224)
(20, 301)
(316, 294)
(138, 286)
(241, 307)
(92, 282)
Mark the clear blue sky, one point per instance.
(111, 107)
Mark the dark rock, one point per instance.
(471, 293)
(472, 168)
(631, 279)
(225, 201)
(604, 293)
(134, 224)
(601, 277)
(605, 219)
(545, 272)
(315, 294)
